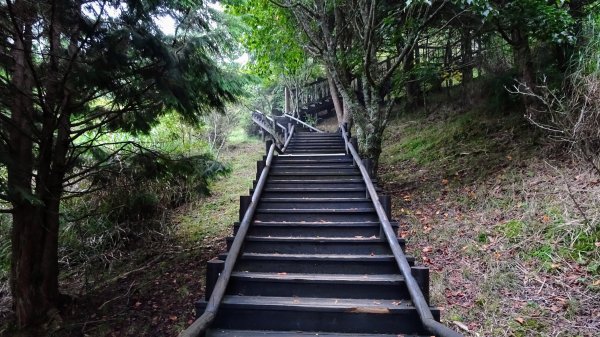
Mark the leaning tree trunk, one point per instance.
(335, 98)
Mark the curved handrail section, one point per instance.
(303, 123)
(267, 124)
(200, 325)
(416, 295)
(287, 141)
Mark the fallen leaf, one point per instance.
(427, 249)
(445, 181)
(461, 325)
(173, 318)
(369, 310)
(520, 320)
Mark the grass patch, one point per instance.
(214, 215)
(472, 143)
(512, 229)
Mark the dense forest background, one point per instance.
(126, 139)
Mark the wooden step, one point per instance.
(318, 263)
(316, 229)
(315, 245)
(319, 314)
(378, 286)
(268, 333)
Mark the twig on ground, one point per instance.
(120, 276)
(118, 297)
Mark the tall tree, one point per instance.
(73, 71)
(363, 45)
(522, 23)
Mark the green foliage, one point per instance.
(541, 19)
(213, 216)
(133, 195)
(270, 36)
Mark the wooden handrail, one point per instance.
(416, 295)
(201, 324)
(287, 141)
(271, 119)
(269, 131)
(303, 123)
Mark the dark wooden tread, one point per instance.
(324, 278)
(264, 333)
(352, 305)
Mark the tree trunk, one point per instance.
(34, 282)
(335, 98)
(34, 236)
(524, 62)
(413, 86)
(467, 64)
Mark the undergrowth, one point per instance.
(144, 198)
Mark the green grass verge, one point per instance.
(213, 216)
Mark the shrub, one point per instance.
(572, 113)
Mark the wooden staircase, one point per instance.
(315, 261)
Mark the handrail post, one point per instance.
(368, 162)
(214, 268)
(421, 275)
(354, 143)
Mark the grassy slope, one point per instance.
(509, 228)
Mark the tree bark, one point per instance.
(467, 63)
(34, 291)
(413, 86)
(524, 62)
(40, 140)
(335, 98)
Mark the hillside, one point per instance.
(507, 221)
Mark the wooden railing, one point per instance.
(319, 90)
(416, 295)
(312, 92)
(278, 132)
(310, 127)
